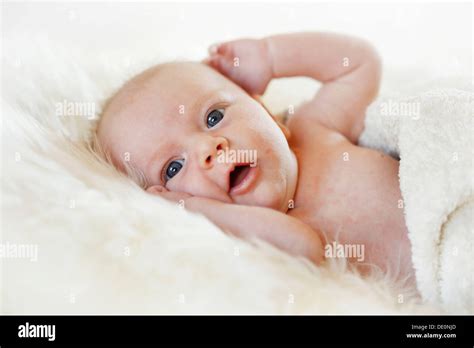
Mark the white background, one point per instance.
(432, 34)
(436, 37)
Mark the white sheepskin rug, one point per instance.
(77, 237)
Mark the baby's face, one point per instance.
(190, 129)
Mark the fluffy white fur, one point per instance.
(433, 138)
(105, 246)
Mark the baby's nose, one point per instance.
(211, 150)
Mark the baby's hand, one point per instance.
(185, 200)
(173, 196)
(247, 62)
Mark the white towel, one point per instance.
(431, 133)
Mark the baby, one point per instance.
(309, 188)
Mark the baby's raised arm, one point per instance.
(348, 67)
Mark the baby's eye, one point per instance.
(173, 168)
(214, 117)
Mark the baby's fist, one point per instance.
(173, 196)
(247, 62)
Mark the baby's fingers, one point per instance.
(223, 64)
(224, 49)
(221, 57)
(172, 196)
(177, 197)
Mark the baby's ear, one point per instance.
(156, 189)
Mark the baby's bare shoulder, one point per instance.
(308, 133)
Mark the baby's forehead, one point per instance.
(167, 84)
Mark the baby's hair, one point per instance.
(130, 170)
(103, 155)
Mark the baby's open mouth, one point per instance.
(241, 178)
(238, 174)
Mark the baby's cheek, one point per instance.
(198, 186)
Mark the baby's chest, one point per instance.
(347, 189)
